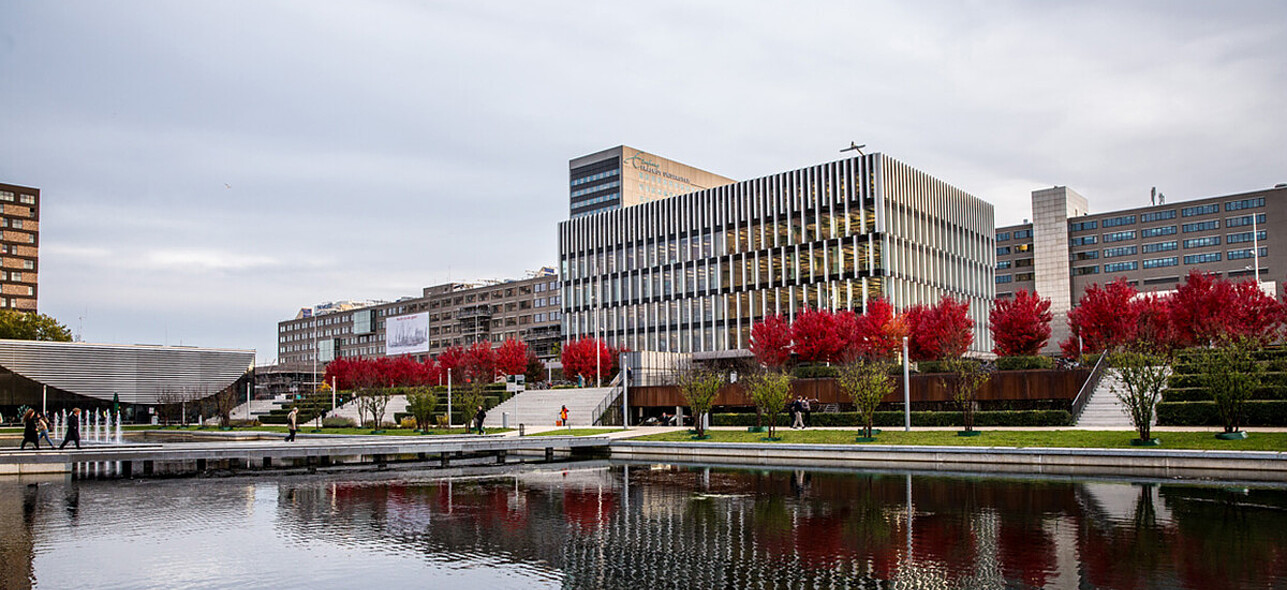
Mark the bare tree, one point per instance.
(169, 402)
(225, 402)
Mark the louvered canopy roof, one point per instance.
(137, 373)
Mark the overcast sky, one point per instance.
(207, 169)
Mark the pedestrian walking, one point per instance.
(807, 410)
(42, 428)
(73, 429)
(797, 414)
(563, 416)
(292, 424)
(479, 416)
(29, 430)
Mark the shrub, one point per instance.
(1024, 363)
(887, 419)
(407, 423)
(338, 422)
(932, 367)
(1205, 413)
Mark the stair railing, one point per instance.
(608, 412)
(1088, 388)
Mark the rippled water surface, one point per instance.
(639, 526)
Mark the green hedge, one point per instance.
(1195, 394)
(1024, 363)
(1204, 413)
(1016, 418)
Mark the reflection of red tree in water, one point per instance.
(946, 539)
(588, 510)
(820, 540)
(1026, 553)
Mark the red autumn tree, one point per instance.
(340, 373)
(1102, 319)
(878, 331)
(817, 337)
(511, 357)
(449, 364)
(432, 372)
(940, 332)
(479, 362)
(579, 360)
(1205, 309)
(771, 341)
(1020, 325)
(1152, 316)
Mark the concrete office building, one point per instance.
(624, 176)
(451, 314)
(19, 247)
(1065, 248)
(694, 272)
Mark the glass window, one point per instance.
(1121, 266)
(1119, 236)
(1119, 221)
(1202, 226)
(1120, 251)
(1023, 234)
(1004, 279)
(1085, 270)
(1246, 236)
(1161, 247)
(1202, 258)
(1247, 253)
(1003, 250)
(1243, 220)
(1244, 204)
(1202, 242)
(1200, 210)
(1084, 240)
(1003, 236)
(1161, 262)
(1154, 232)
(1083, 225)
(1157, 216)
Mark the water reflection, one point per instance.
(641, 525)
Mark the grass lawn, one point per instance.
(1266, 441)
(576, 432)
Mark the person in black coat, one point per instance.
(479, 416)
(29, 430)
(73, 429)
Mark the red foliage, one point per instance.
(1021, 325)
(817, 337)
(449, 364)
(479, 362)
(1205, 309)
(771, 341)
(511, 357)
(878, 332)
(939, 332)
(376, 373)
(1102, 318)
(579, 360)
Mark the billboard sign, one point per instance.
(406, 334)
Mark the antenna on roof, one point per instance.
(854, 147)
(1152, 196)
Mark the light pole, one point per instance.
(598, 353)
(1255, 247)
(907, 389)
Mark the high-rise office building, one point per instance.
(19, 247)
(1065, 248)
(624, 176)
(694, 272)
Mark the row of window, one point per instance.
(594, 177)
(594, 201)
(22, 198)
(1207, 209)
(598, 187)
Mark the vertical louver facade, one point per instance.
(693, 273)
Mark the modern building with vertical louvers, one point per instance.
(694, 272)
(78, 374)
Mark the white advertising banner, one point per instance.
(406, 334)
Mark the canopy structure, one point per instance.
(136, 374)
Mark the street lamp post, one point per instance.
(907, 389)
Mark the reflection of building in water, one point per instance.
(699, 528)
(18, 502)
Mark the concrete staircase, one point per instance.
(1104, 410)
(541, 407)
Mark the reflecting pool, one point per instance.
(603, 525)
